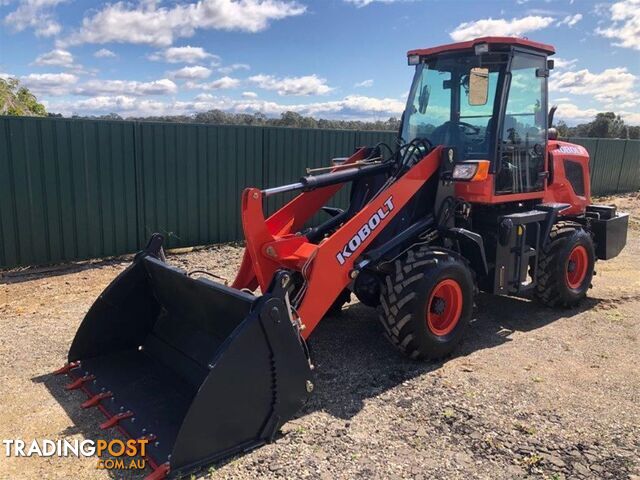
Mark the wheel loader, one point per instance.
(478, 194)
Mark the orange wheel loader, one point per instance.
(477, 195)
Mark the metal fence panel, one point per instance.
(191, 179)
(630, 171)
(79, 189)
(614, 164)
(607, 171)
(370, 138)
(288, 152)
(67, 190)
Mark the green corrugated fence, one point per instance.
(614, 164)
(67, 190)
(79, 189)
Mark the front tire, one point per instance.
(426, 303)
(566, 266)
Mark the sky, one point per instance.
(341, 59)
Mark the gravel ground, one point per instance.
(531, 393)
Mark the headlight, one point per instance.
(475, 171)
(464, 171)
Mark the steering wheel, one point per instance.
(466, 127)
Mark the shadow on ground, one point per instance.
(85, 421)
(354, 361)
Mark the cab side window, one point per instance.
(523, 133)
(479, 142)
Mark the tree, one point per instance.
(286, 119)
(563, 129)
(16, 100)
(607, 125)
(604, 125)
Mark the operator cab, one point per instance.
(487, 98)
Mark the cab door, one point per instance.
(523, 132)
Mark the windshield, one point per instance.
(439, 107)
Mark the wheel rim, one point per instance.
(444, 307)
(577, 266)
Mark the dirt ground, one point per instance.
(531, 392)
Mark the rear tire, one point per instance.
(426, 304)
(565, 269)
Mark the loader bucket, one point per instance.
(202, 370)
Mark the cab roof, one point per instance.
(492, 41)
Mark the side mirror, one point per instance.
(423, 99)
(478, 86)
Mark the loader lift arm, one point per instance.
(272, 243)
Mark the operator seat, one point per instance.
(447, 134)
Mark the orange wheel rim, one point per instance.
(444, 307)
(577, 266)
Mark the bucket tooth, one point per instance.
(113, 421)
(67, 368)
(159, 473)
(79, 382)
(96, 399)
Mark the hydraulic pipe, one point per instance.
(311, 182)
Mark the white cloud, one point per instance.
(36, 14)
(307, 85)
(57, 58)
(364, 3)
(49, 83)
(187, 54)
(354, 105)
(119, 103)
(625, 26)
(48, 28)
(249, 95)
(573, 113)
(570, 20)
(197, 72)
(61, 58)
(233, 67)
(631, 118)
(563, 63)
(499, 27)
(364, 84)
(350, 107)
(126, 87)
(612, 84)
(104, 53)
(553, 100)
(223, 83)
(147, 23)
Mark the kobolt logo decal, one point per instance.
(364, 232)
